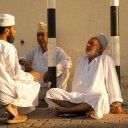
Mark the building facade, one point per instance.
(76, 22)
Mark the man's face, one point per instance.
(42, 39)
(12, 33)
(93, 48)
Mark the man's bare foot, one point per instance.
(118, 110)
(11, 109)
(89, 113)
(17, 119)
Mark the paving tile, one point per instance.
(44, 117)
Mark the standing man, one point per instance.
(95, 85)
(37, 60)
(17, 88)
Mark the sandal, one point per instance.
(73, 114)
(17, 119)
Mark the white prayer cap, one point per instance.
(42, 27)
(7, 20)
(103, 40)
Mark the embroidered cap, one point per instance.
(103, 40)
(7, 20)
(42, 27)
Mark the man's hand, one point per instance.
(36, 75)
(45, 77)
(26, 64)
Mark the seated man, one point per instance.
(37, 60)
(17, 88)
(95, 85)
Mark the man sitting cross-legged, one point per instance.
(95, 85)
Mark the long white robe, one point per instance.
(39, 63)
(16, 86)
(95, 83)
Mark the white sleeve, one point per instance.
(13, 67)
(30, 55)
(24, 77)
(12, 61)
(63, 60)
(111, 79)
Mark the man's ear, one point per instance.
(101, 49)
(6, 31)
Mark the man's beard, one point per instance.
(43, 45)
(10, 38)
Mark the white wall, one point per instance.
(77, 21)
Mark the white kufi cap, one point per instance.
(7, 20)
(103, 40)
(42, 27)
